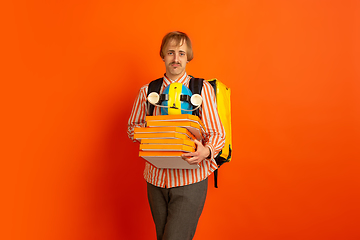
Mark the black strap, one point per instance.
(164, 97)
(217, 158)
(216, 178)
(185, 98)
(154, 86)
(195, 86)
(213, 84)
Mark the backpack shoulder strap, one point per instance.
(195, 86)
(213, 84)
(154, 86)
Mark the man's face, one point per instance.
(175, 58)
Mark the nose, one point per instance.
(176, 57)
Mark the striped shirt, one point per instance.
(214, 137)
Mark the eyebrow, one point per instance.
(171, 50)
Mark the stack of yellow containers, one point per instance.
(167, 137)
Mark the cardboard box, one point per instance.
(171, 160)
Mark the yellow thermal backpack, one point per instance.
(223, 102)
(222, 93)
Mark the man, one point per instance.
(177, 197)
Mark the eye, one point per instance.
(182, 54)
(170, 53)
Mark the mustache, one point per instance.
(178, 63)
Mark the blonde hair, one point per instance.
(180, 38)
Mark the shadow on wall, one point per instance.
(119, 206)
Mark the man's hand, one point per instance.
(201, 153)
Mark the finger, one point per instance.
(190, 154)
(187, 157)
(197, 142)
(192, 161)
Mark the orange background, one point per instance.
(71, 69)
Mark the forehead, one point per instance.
(176, 46)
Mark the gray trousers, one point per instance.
(176, 211)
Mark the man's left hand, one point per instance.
(201, 153)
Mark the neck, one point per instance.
(174, 77)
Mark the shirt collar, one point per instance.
(181, 79)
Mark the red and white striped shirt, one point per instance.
(214, 138)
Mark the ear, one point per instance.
(163, 60)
